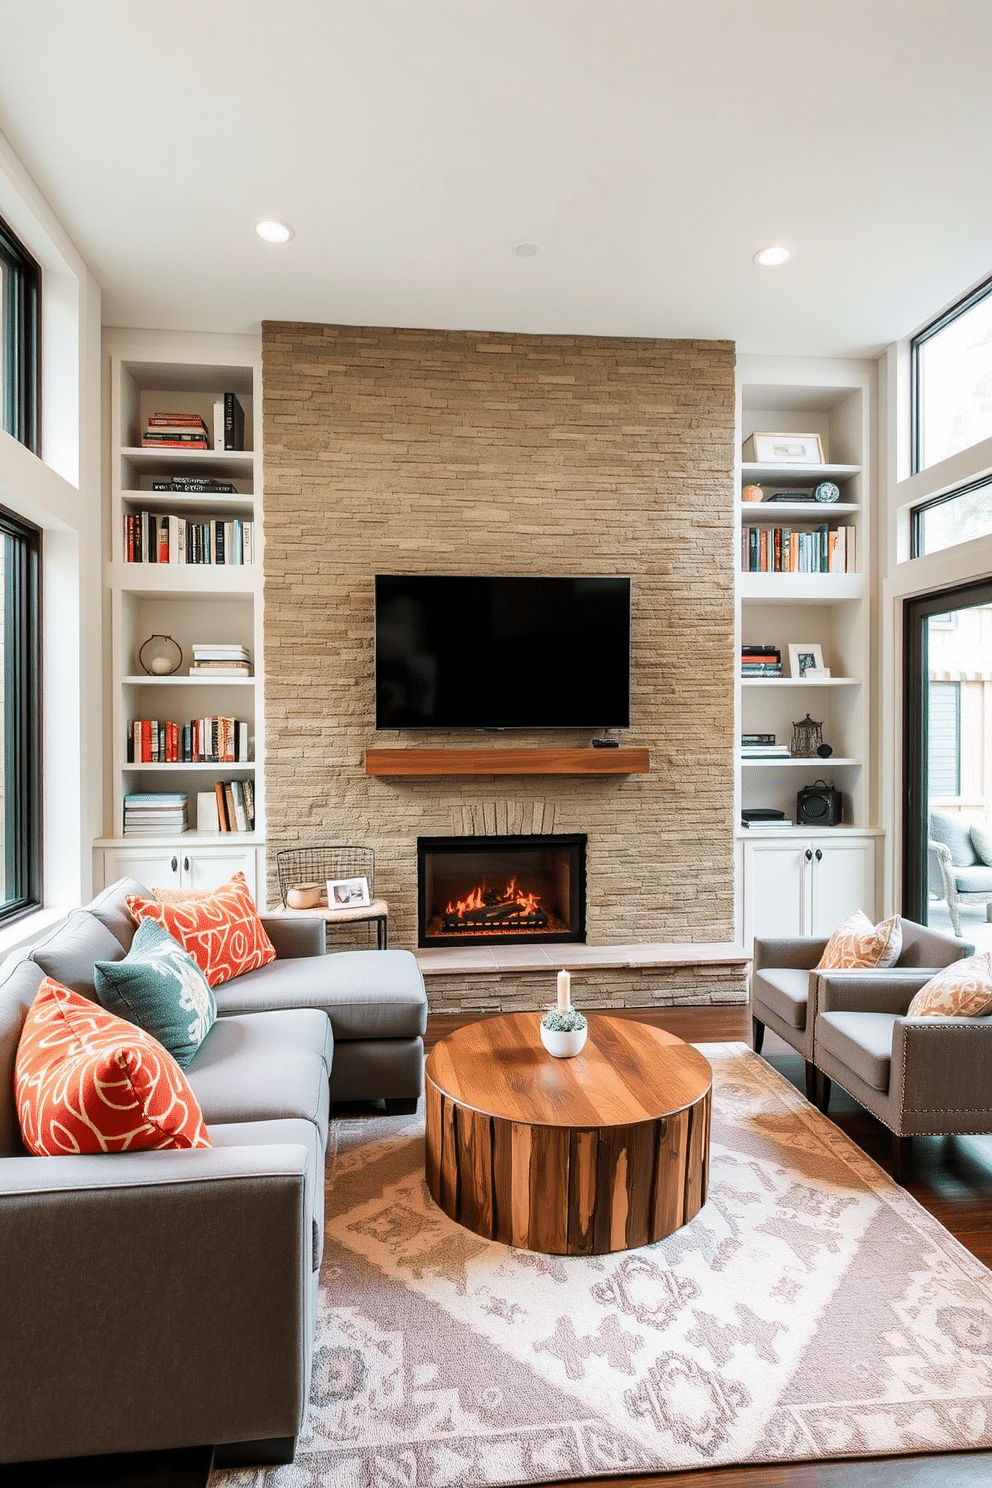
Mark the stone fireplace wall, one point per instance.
(465, 452)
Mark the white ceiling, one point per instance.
(649, 147)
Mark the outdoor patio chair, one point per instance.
(957, 873)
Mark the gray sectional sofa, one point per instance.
(168, 1298)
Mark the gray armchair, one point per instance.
(784, 985)
(956, 873)
(916, 1075)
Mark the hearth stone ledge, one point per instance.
(514, 979)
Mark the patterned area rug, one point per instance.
(812, 1309)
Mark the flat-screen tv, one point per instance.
(454, 652)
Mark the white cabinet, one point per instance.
(211, 507)
(805, 883)
(185, 865)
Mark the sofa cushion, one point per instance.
(861, 1042)
(264, 1067)
(981, 840)
(955, 833)
(17, 993)
(222, 931)
(962, 990)
(784, 991)
(366, 994)
(858, 945)
(976, 880)
(87, 1081)
(159, 987)
(110, 908)
(68, 955)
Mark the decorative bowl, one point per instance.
(563, 1045)
(304, 896)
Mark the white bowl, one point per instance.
(563, 1045)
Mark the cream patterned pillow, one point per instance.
(961, 990)
(858, 945)
(163, 895)
(981, 838)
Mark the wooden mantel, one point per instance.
(507, 761)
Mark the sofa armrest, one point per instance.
(889, 991)
(800, 952)
(941, 1065)
(296, 933)
(142, 1290)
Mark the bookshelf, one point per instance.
(796, 880)
(194, 603)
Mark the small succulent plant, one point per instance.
(570, 1022)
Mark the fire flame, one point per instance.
(525, 902)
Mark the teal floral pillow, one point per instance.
(159, 987)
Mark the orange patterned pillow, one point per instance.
(961, 990)
(858, 945)
(86, 1081)
(221, 931)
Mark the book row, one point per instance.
(822, 549)
(153, 538)
(235, 807)
(202, 741)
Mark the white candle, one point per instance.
(564, 982)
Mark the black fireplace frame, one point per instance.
(471, 843)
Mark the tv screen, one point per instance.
(501, 653)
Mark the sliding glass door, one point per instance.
(948, 751)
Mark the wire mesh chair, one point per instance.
(311, 868)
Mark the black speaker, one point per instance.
(818, 805)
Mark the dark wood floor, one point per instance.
(951, 1177)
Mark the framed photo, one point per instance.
(784, 449)
(804, 658)
(348, 893)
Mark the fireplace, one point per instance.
(501, 890)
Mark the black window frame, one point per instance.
(970, 300)
(916, 548)
(20, 414)
(22, 733)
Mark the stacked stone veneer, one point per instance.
(463, 452)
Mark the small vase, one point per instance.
(563, 1045)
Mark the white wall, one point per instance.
(61, 493)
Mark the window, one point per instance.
(952, 380)
(20, 726)
(19, 340)
(955, 518)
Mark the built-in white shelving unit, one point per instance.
(797, 880)
(192, 603)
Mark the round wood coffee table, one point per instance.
(602, 1152)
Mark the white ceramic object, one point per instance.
(563, 1045)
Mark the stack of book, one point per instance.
(195, 485)
(220, 661)
(760, 661)
(154, 814)
(763, 746)
(764, 816)
(175, 431)
(202, 741)
(235, 805)
(151, 537)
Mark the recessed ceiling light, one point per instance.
(526, 250)
(273, 231)
(773, 255)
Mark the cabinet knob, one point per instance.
(186, 864)
(819, 855)
(809, 855)
(175, 864)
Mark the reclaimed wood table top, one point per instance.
(628, 1072)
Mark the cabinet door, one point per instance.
(776, 888)
(843, 880)
(206, 867)
(149, 865)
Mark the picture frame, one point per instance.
(348, 893)
(784, 449)
(804, 657)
